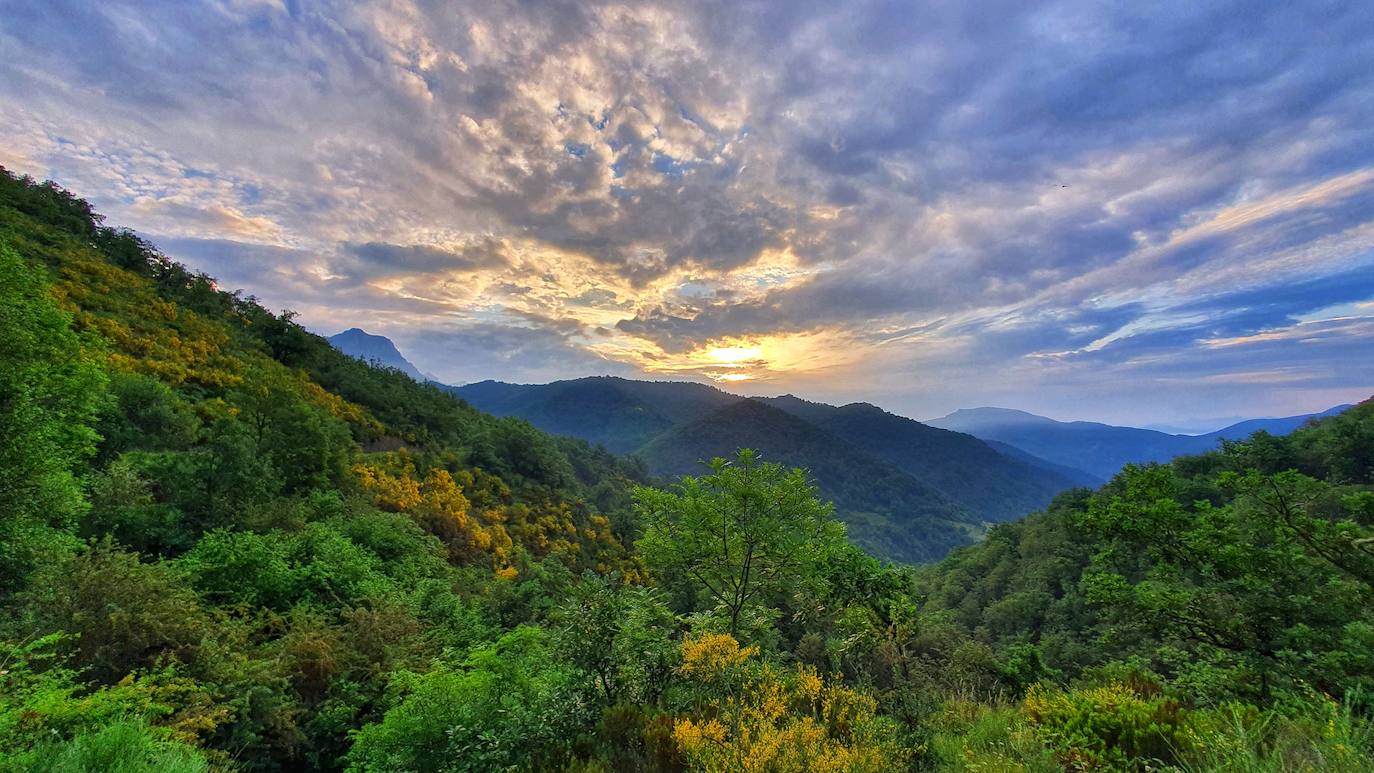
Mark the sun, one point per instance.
(731, 355)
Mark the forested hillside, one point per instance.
(890, 513)
(204, 497)
(909, 491)
(226, 546)
(995, 486)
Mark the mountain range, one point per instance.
(1101, 450)
(909, 490)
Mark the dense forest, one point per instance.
(226, 546)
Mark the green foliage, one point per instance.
(974, 737)
(1313, 733)
(144, 414)
(123, 506)
(123, 614)
(510, 706)
(1112, 727)
(737, 533)
(620, 635)
(1264, 587)
(123, 746)
(50, 391)
(50, 721)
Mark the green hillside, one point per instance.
(1239, 575)
(671, 424)
(620, 414)
(256, 529)
(890, 513)
(990, 484)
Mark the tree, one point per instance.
(123, 614)
(508, 706)
(50, 393)
(620, 635)
(747, 528)
(1258, 592)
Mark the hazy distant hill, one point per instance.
(1279, 426)
(993, 485)
(889, 512)
(365, 346)
(1079, 477)
(1101, 449)
(618, 413)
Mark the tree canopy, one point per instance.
(739, 532)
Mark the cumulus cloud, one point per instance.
(1061, 205)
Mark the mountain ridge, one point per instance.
(992, 484)
(632, 417)
(372, 348)
(1099, 449)
(888, 511)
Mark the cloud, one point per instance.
(924, 206)
(517, 354)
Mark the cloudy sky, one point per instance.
(1136, 212)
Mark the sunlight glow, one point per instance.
(729, 355)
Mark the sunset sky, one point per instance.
(1072, 208)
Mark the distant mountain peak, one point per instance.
(375, 349)
(991, 414)
(862, 407)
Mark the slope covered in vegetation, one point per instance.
(909, 491)
(257, 529)
(995, 486)
(226, 546)
(889, 512)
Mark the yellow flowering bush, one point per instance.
(754, 716)
(437, 503)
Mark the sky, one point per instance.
(1129, 212)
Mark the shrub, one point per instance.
(1112, 727)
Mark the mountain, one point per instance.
(1076, 476)
(894, 509)
(1101, 450)
(1195, 427)
(1278, 426)
(626, 415)
(375, 349)
(889, 512)
(992, 484)
(618, 413)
